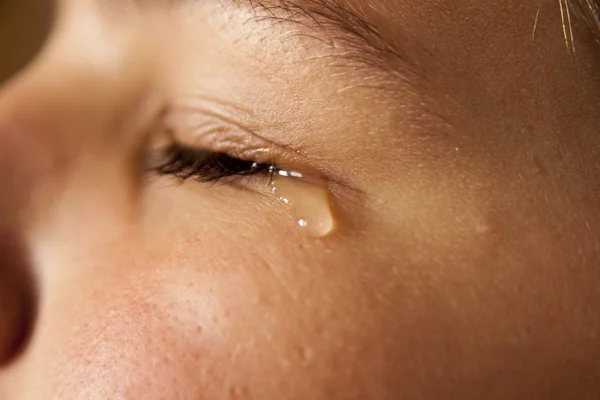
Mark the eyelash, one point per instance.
(208, 166)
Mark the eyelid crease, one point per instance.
(204, 124)
(242, 143)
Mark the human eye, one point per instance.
(208, 166)
(238, 161)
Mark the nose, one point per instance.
(76, 108)
(17, 297)
(18, 289)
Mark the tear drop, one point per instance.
(309, 202)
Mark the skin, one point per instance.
(464, 184)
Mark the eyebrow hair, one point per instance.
(360, 42)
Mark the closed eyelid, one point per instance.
(208, 123)
(196, 128)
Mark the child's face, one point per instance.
(456, 146)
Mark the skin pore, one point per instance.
(457, 140)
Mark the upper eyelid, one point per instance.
(207, 123)
(222, 137)
(241, 141)
(216, 131)
(195, 110)
(207, 102)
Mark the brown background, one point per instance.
(23, 26)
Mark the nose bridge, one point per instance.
(17, 285)
(43, 129)
(77, 101)
(77, 96)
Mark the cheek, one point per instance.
(206, 304)
(199, 331)
(131, 342)
(275, 315)
(127, 331)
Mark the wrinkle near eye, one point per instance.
(206, 123)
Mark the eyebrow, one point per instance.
(357, 43)
(360, 42)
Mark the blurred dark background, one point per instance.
(23, 27)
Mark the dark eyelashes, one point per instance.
(207, 166)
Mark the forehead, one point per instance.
(395, 19)
(438, 10)
(435, 34)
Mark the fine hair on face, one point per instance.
(591, 12)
